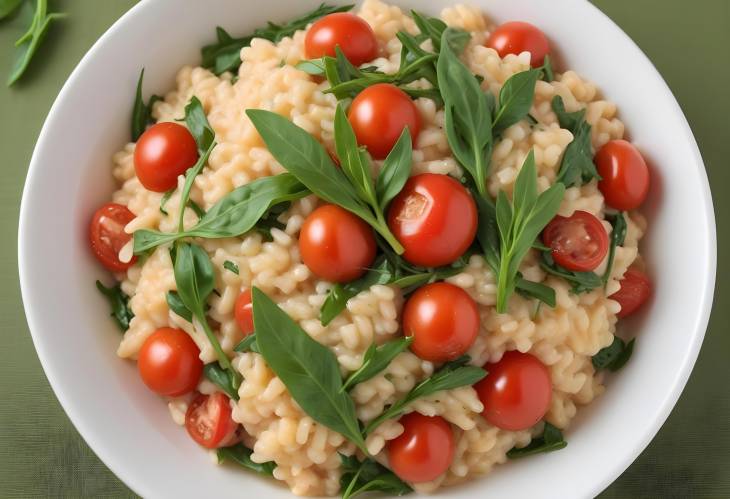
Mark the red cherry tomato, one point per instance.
(169, 362)
(624, 174)
(351, 33)
(434, 218)
(516, 392)
(209, 421)
(517, 37)
(634, 291)
(378, 116)
(443, 320)
(243, 312)
(107, 236)
(578, 242)
(335, 244)
(163, 152)
(424, 450)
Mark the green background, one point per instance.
(42, 455)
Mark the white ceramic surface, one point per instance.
(129, 427)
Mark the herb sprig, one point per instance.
(142, 113)
(376, 359)
(581, 282)
(241, 455)
(368, 475)
(614, 356)
(119, 303)
(618, 236)
(577, 167)
(550, 441)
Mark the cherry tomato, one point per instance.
(434, 218)
(578, 242)
(243, 312)
(209, 421)
(634, 291)
(516, 392)
(163, 152)
(351, 33)
(443, 320)
(107, 236)
(378, 116)
(424, 450)
(625, 176)
(169, 362)
(516, 37)
(335, 244)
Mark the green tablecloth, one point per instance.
(42, 455)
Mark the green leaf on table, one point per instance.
(141, 117)
(376, 359)
(119, 303)
(221, 378)
(241, 455)
(368, 475)
(515, 100)
(577, 167)
(550, 441)
(614, 356)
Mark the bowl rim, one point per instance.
(140, 484)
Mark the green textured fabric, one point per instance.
(42, 455)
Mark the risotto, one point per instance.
(375, 250)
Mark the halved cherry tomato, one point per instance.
(335, 244)
(434, 218)
(107, 236)
(443, 320)
(578, 242)
(243, 312)
(209, 421)
(351, 33)
(516, 392)
(516, 37)
(634, 291)
(378, 116)
(163, 152)
(624, 174)
(169, 362)
(424, 450)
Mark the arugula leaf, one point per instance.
(368, 475)
(376, 359)
(536, 290)
(307, 368)
(241, 455)
(30, 41)
(198, 125)
(230, 266)
(224, 55)
(452, 375)
(119, 303)
(618, 236)
(577, 167)
(550, 441)
(581, 282)
(176, 305)
(614, 356)
(142, 116)
(395, 171)
(515, 99)
(548, 74)
(248, 344)
(221, 378)
(8, 6)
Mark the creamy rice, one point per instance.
(563, 338)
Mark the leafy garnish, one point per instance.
(225, 54)
(614, 356)
(577, 166)
(8, 6)
(142, 114)
(308, 369)
(537, 290)
(550, 441)
(368, 475)
(581, 282)
(230, 266)
(221, 378)
(618, 236)
(176, 305)
(163, 201)
(548, 74)
(241, 455)
(376, 359)
(119, 303)
(248, 344)
(452, 375)
(515, 100)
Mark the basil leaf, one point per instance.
(452, 375)
(395, 171)
(614, 356)
(536, 290)
(248, 344)
(618, 236)
(313, 67)
(376, 359)
(142, 116)
(467, 114)
(515, 99)
(198, 125)
(8, 6)
(221, 378)
(550, 441)
(229, 265)
(353, 162)
(430, 27)
(581, 282)
(119, 303)
(307, 368)
(368, 475)
(177, 306)
(576, 167)
(547, 70)
(241, 455)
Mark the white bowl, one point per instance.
(129, 427)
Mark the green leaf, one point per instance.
(452, 375)
(515, 99)
(197, 123)
(241, 455)
(536, 290)
(577, 167)
(8, 6)
(547, 70)
(307, 368)
(248, 344)
(230, 266)
(431, 27)
(165, 198)
(550, 441)
(142, 116)
(353, 162)
(614, 356)
(581, 282)
(368, 475)
(618, 236)
(395, 171)
(119, 303)
(314, 67)
(177, 306)
(221, 378)
(376, 359)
